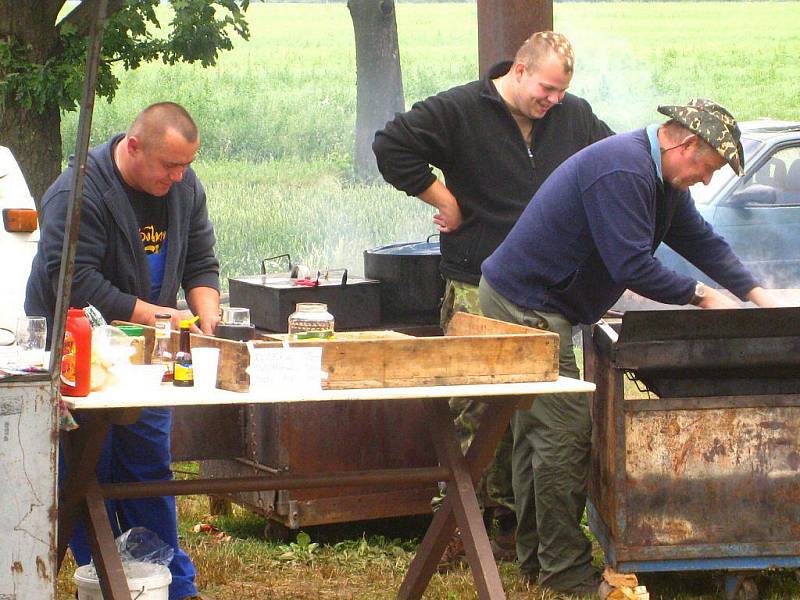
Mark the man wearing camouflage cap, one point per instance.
(588, 234)
(713, 124)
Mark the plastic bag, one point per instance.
(142, 545)
(110, 347)
(139, 546)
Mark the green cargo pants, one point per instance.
(550, 462)
(496, 483)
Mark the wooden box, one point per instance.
(474, 350)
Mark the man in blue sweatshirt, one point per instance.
(588, 234)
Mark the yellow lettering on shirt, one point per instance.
(152, 239)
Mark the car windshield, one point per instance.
(703, 194)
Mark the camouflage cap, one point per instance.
(715, 125)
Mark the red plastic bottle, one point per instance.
(76, 361)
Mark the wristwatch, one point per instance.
(699, 293)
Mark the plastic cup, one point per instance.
(204, 365)
(31, 336)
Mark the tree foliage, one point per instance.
(36, 78)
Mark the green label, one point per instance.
(313, 335)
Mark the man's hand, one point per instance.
(449, 217)
(144, 313)
(715, 299)
(204, 302)
(761, 297)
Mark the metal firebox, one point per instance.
(327, 437)
(354, 302)
(701, 469)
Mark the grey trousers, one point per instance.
(550, 462)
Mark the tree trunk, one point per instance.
(35, 140)
(33, 137)
(379, 82)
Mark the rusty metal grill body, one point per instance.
(332, 437)
(703, 471)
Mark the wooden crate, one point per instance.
(475, 350)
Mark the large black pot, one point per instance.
(411, 285)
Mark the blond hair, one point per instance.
(540, 45)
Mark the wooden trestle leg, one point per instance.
(460, 507)
(80, 497)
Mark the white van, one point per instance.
(18, 239)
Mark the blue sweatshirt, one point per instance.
(590, 232)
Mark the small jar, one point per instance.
(136, 333)
(311, 320)
(235, 325)
(235, 316)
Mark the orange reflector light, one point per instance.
(20, 220)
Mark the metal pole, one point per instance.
(76, 196)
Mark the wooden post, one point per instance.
(504, 24)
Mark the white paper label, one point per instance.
(292, 369)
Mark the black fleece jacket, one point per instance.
(469, 133)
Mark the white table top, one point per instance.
(130, 395)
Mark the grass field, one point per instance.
(276, 118)
(277, 113)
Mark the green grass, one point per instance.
(287, 206)
(368, 561)
(277, 113)
(742, 54)
(290, 90)
(277, 117)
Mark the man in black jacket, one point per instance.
(144, 234)
(496, 140)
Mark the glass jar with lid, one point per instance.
(310, 320)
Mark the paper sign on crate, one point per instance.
(285, 368)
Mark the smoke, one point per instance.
(621, 85)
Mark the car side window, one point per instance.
(777, 181)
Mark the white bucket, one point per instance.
(145, 581)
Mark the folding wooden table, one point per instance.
(82, 496)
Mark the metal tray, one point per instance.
(712, 352)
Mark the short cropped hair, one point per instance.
(676, 133)
(153, 122)
(540, 45)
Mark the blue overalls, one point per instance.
(141, 452)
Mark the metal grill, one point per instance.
(704, 473)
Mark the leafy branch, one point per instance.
(197, 32)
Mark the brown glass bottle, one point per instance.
(183, 373)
